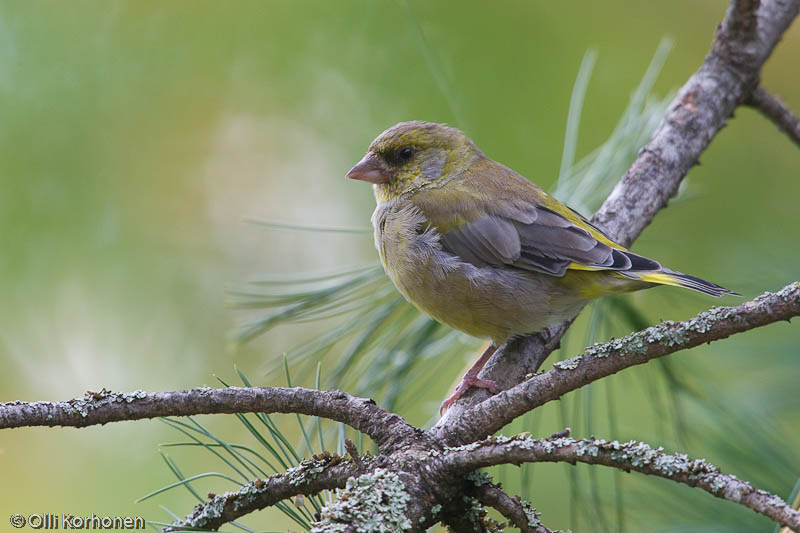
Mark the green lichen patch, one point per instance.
(309, 469)
(475, 511)
(479, 478)
(374, 502)
(96, 399)
(533, 516)
(478, 516)
(790, 293)
(568, 364)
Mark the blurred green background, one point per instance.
(136, 136)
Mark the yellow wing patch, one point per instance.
(588, 268)
(661, 278)
(554, 205)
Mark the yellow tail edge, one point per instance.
(679, 279)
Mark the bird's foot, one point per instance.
(466, 383)
(471, 379)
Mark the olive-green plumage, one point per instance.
(477, 246)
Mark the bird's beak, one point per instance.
(370, 169)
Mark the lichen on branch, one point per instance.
(631, 455)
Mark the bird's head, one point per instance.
(411, 155)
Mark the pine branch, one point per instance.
(400, 441)
(312, 476)
(627, 456)
(520, 513)
(388, 430)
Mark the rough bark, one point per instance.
(387, 429)
(632, 455)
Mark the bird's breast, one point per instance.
(495, 302)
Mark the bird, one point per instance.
(477, 246)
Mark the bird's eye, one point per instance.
(399, 156)
(403, 155)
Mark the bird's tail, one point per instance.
(665, 276)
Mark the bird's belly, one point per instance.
(488, 302)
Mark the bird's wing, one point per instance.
(551, 244)
(519, 225)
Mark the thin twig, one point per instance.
(627, 456)
(350, 446)
(771, 107)
(519, 512)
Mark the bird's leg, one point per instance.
(471, 379)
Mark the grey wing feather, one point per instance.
(489, 240)
(539, 240)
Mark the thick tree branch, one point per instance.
(701, 109)
(771, 107)
(727, 77)
(742, 18)
(520, 513)
(627, 456)
(602, 360)
(387, 429)
(310, 477)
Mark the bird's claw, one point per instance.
(464, 386)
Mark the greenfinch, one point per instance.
(480, 248)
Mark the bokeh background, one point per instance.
(137, 137)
